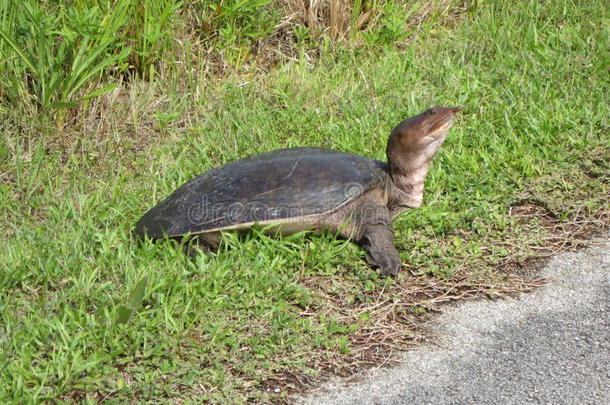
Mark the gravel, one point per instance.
(550, 346)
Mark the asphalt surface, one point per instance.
(551, 346)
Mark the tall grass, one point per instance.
(54, 57)
(150, 32)
(59, 53)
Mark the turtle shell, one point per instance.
(268, 188)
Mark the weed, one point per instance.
(54, 59)
(150, 31)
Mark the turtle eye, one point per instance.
(432, 111)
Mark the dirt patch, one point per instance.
(558, 235)
(393, 320)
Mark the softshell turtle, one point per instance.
(310, 188)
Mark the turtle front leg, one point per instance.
(378, 241)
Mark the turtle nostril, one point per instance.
(457, 109)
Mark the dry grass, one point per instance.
(344, 19)
(400, 314)
(340, 21)
(557, 235)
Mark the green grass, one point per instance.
(88, 313)
(51, 56)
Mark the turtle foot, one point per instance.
(388, 262)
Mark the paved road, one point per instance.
(551, 346)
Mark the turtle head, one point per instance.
(411, 147)
(416, 140)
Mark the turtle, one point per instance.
(306, 188)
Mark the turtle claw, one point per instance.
(388, 262)
(392, 266)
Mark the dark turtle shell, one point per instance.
(268, 188)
